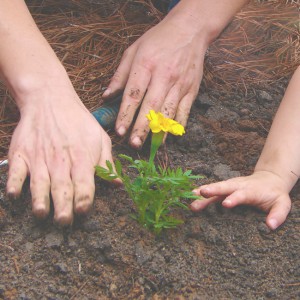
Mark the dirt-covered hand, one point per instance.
(162, 71)
(264, 190)
(57, 143)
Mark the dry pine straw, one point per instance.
(259, 47)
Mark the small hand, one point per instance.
(263, 189)
(162, 71)
(57, 143)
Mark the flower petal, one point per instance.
(158, 122)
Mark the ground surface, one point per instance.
(216, 254)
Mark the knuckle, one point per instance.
(40, 181)
(183, 111)
(135, 93)
(154, 103)
(169, 75)
(63, 186)
(169, 110)
(148, 63)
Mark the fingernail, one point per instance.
(136, 142)
(11, 193)
(227, 202)
(195, 205)
(205, 191)
(107, 92)
(273, 224)
(121, 130)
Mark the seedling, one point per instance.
(155, 190)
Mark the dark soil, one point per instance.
(215, 254)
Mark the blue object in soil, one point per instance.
(107, 114)
(172, 4)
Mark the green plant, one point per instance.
(155, 190)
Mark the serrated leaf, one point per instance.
(105, 174)
(118, 167)
(126, 157)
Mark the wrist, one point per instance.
(28, 87)
(287, 177)
(189, 22)
(204, 17)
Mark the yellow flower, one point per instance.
(158, 123)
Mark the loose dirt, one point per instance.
(215, 254)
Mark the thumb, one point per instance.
(279, 212)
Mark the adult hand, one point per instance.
(162, 71)
(57, 143)
(264, 190)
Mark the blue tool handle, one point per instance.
(172, 4)
(107, 114)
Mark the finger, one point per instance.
(222, 188)
(279, 212)
(121, 75)
(184, 107)
(62, 191)
(238, 198)
(154, 99)
(201, 204)
(134, 92)
(17, 174)
(84, 187)
(171, 102)
(106, 154)
(40, 191)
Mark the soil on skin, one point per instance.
(216, 254)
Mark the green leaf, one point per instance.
(109, 166)
(105, 174)
(118, 166)
(126, 157)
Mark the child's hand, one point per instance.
(265, 190)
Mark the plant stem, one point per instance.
(156, 141)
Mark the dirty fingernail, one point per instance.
(121, 130)
(136, 142)
(227, 202)
(107, 92)
(273, 224)
(11, 193)
(195, 205)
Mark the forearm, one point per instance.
(26, 59)
(204, 17)
(281, 153)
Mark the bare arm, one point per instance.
(163, 69)
(281, 151)
(57, 142)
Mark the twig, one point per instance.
(16, 265)
(79, 290)
(293, 284)
(8, 247)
